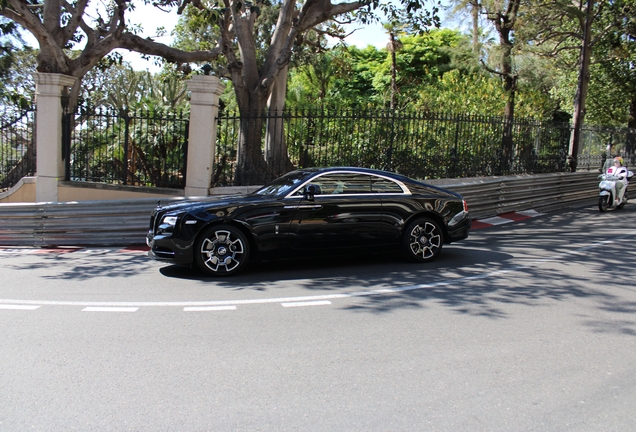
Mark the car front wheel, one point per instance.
(222, 250)
(423, 240)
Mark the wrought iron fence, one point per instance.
(150, 148)
(597, 143)
(144, 148)
(17, 147)
(420, 145)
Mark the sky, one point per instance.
(150, 18)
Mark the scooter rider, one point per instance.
(618, 170)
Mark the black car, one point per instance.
(312, 211)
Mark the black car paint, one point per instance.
(294, 226)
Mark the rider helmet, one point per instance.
(619, 160)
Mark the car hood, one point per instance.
(213, 202)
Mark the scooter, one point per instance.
(607, 192)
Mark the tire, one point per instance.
(603, 203)
(423, 240)
(222, 250)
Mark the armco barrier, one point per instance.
(125, 222)
(497, 195)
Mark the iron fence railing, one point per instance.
(143, 148)
(17, 147)
(150, 148)
(421, 145)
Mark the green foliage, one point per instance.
(120, 87)
(18, 90)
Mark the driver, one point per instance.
(618, 170)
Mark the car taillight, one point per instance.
(465, 206)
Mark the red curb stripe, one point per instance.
(514, 216)
(135, 249)
(55, 250)
(477, 225)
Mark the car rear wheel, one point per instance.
(423, 240)
(222, 250)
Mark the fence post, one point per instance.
(204, 107)
(48, 130)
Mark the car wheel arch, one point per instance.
(436, 217)
(248, 234)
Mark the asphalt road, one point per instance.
(529, 326)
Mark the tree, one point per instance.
(254, 77)
(557, 27)
(72, 43)
(503, 15)
(473, 9)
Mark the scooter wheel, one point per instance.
(603, 203)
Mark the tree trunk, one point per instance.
(510, 88)
(630, 145)
(276, 153)
(251, 167)
(578, 116)
(475, 18)
(394, 88)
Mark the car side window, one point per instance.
(384, 185)
(343, 183)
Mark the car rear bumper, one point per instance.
(459, 231)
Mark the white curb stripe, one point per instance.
(496, 220)
(530, 213)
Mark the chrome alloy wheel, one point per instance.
(423, 240)
(222, 250)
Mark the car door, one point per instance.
(345, 214)
(269, 221)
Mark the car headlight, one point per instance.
(171, 221)
(168, 223)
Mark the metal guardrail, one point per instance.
(88, 223)
(493, 196)
(125, 222)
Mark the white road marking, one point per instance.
(133, 306)
(18, 307)
(110, 309)
(208, 308)
(307, 303)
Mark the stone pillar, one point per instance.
(48, 129)
(204, 107)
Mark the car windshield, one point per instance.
(284, 184)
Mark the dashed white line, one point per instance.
(307, 303)
(291, 301)
(110, 309)
(208, 308)
(18, 307)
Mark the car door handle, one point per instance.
(309, 207)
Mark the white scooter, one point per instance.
(607, 192)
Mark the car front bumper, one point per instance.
(165, 248)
